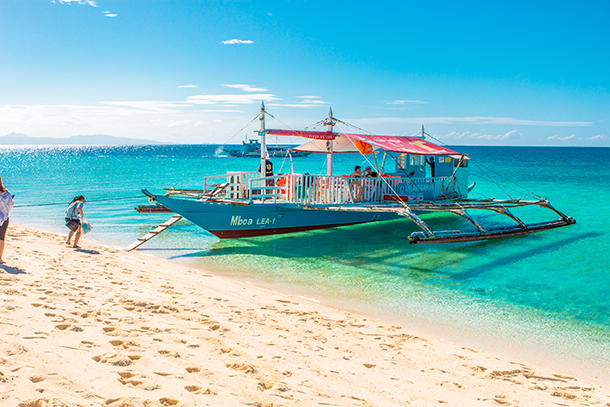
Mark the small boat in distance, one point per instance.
(414, 177)
(252, 148)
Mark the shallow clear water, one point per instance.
(544, 297)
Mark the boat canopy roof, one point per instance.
(363, 143)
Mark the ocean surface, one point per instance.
(542, 298)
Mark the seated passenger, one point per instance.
(357, 172)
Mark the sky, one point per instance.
(196, 71)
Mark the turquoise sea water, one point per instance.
(543, 298)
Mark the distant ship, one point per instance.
(253, 149)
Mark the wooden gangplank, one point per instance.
(154, 232)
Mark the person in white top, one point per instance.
(6, 206)
(74, 219)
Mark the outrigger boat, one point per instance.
(243, 204)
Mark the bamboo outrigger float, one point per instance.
(243, 204)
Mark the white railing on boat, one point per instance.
(326, 189)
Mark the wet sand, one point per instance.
(101, 327)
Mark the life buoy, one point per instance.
(282, 183)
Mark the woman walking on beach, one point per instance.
(6, 206)
(74, 217)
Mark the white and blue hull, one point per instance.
(233, 220)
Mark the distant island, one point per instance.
(18, 139)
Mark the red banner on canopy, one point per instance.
(399, 144)
(316, 135)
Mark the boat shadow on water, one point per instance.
(379, 248)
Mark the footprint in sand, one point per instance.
(115, 359)
(140, 381)
(193, 388)
(193, 369)
(110, 331)
(168, 402)
(37, 379)
(170, 353)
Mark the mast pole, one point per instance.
(329, 144)
(263, 140)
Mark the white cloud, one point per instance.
(307, 102)
(560, 138)
(470, 120)
(180, 123)
(87, 2)
(467, 135)
(404, 102)
(188, 86)
(236, 41)
(598, 137)
(219, 111)
(150, 105)
(110, 15)
(231, 99)
(246, 88)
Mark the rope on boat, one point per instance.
(484, 169)
(222, 145)
(93, 200)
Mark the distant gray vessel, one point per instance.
(252, 148)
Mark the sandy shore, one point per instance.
(101, 327)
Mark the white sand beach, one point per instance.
(102, 327)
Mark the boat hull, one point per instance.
(231, 220)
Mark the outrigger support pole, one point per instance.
(263, 141)
(459, 208)
(461, 212)
(482, 233)
(330, 122)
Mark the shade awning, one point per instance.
(341, 144)
(402, 144)
(353, 143)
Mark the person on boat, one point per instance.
(366, 172)
(74, 219)
(430, 162)
(6, 206)
(357, 172)
(268, 172)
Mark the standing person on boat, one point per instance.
(6, 206)
(268, 172)
(74, 219)
(430, 162)
(354, 185)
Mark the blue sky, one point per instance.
(472, 72)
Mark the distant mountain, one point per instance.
(96, 139)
